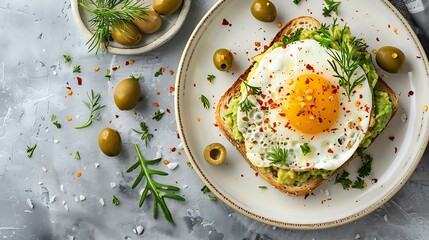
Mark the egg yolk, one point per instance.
(311, 103)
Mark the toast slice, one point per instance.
(300, 23)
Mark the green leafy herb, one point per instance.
(94, 107)
(135, 78)
(205, 101)
(211, 77)
(289, 39)
(158, 115)
(296, 1)
(205, 189)
(365, 169)
(331, 6)
(159, 72)
(53, 117)
(76, 69)
(189, 164)
(106, 14)
(115, 200)
(246, 104)
(305, 148)
(107, 75)
(158, 190)
(67, 58)
(211, 198)
(77, 155)
(145, 135)
(343, 180)
(359, 183)
(262, 187)
(30, 150)
(278, 155)
(56, 123)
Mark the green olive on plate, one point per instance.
(390, 59)
(127, 94)
(264, 10)
(110, 142)
(148, 23)
(215, 154)
(166, 7)
(126, 33)
(222, 59)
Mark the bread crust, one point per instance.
(304, 22)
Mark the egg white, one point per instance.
(330, 149)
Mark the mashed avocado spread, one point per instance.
(383, 106)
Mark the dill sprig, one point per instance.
(107, 13)
(146, 136)
(295, 37)
(159, 190)
(278, 155)
(94, 107)
(246, 104)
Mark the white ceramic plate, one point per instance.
(396, 151)
(170, 26)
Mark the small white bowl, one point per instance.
(170, 26)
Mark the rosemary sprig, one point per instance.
(146, 136)
(158, 115)
(107, 13)
(94, 107)
(159, 190)
(246, 104)
(30, 150)
(278, 155)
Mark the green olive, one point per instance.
(126, 33)
(166, 7)
(110, 142)
(222, 59)
(264, 10)
(215, 154)
(127, 94)
(390, 59)
(148, 23)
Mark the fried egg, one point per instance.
(301, 103)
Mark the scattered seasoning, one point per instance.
(212, 198)
(425, 108)
(279, 24)
(67, 58)
(76, 69)
(78, 174)
(156, 104)
(69, 92)
(135, 78)
(262, 187)
(205, 101)
(30, 150)
(79, 81)
(96, 69)
(107, 75)
(159, 114)
(171, 89)
(343, 180)
(171, 72)
(392, 138)
(305, 148)
(116, 67)
(159, 72)
(205, 189)
(189, 164)
(210, 78)
(166, 162)
(115, 200)
(359, 183)
(395, 30)
(77, 155)
(129, 62)
(172, 165)
(69, 118)
(410, 93)
(54, 121)
(226, 23)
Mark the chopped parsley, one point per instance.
(159, 72)
(359, 183)
(76, 69)
(211, 77)
(332, 6)
(296, 1)
(343, 180)
(305, 149)
(158, 115)
(115, 200)
(205, 101)
(77, 155)
(107, 75)
(67, 58)
(205, 189)
(189, 164)
(365, 170)
(30, 150)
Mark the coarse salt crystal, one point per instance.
(71, 237)
(82, 198)
(40, 183)
(385, 218)
(172, 165)
(102, 202)
(30, 204)
(139, 230)
(44, 169)
(52, 199)
(56, 141)
(185, 186)
(96, 165)
(357, 236)
(62, 187)
(327, 192)
(112, 184)
(66, 208)
(64, 202)
(76, 199)
(158, 155)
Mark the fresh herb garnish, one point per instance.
(106, 14)
(289, 39)
(262, 187)
(359, 183)
(189, 164)
(115, 200)
(331, 6)
(159, 72)
(135, 78)
(305, 148)
(145, 135)
(107, 75)
(158, 115)
(205, 101)
(296, 1)
(205, 189)
(246, 104)
(211, 198)
(343, 180)
(365, 170)
(76, 69)
(278, 155)
(56, 123)
(159, 190)
(67, 58)
(211, 77)
(77, 155)
(94, 107)
(30, 150)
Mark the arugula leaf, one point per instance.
(115, 200)
(305, 148)
(359, 183)
(343, 180)
(30, 150)
(76, 69)
(278, 155)
(67, 58)
(158, 115)
(145, 135)
(331, 6)
(205, 101)
(211, 77)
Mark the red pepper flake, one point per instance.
(418, 57)
(241, 175)
(158, 93)
(306, 195)
(116, 116)
(216, 125)
(259, 102)
(330, 151)
(79, 81)
(261, 130)
(307, 81)
(173, 149)
(282, 114)
(178, 135)
(156, 104)
(263, 96)
(270, 101)
(307, 164)
(258, 44)
(309, 67)
(392, 138)
(410, 93)
(388, 25)
(374, 180)
(69, 88)
(168, 110)
(256, 174)
(396, 149)
(226, 23)
(378, 40)
(171, 72)
(171, 89)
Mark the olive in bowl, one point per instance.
(264, 10)
(390, 59)
(222, 59)
(148, 23)
(127, 94)
(166, 7)
(126, 33)
(110, 142)
(215, 154)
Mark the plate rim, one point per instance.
(186, 5)
(298, 226)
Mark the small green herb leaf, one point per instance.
(67, 58)
(305, 148)
(159, 72)
(158, 115)
(365, 170)
(359, 183)
(205, 101)
(30, 150)
(296, 1)
(278, 155)
(289, 39)
(262, 187)
(94, 108)
(107, 75)
(189, 164)
(57, 124)
(135, 78)
(53, 117)
(76, 69)
(210, 78)
(146, 136)
(211, 198)
(115, 200)
(205, 189)
(343, 180)
(77, 155)
(331, 6)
